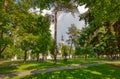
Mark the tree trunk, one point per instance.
(0, 55)
(69, 55)
(85, 56)
(117, 31)
(55, 34)
(98, 56)
(37, 56)
(71, 47)
(65, 59)
(25, 56)
(1, 50)
(1, 36)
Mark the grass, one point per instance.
(101, 72)
(19, 66)
(106, 71)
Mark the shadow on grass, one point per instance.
(49, 63)
(95, 72)
(41, 65)
(12, 66)
(9, 66)
(18, 66)
(7, 76)
(7, 69)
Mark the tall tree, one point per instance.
(4, 22)
(72, 32)
(58, 5)
(42, 31)
(104, 13)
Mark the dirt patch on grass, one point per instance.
(115, 66)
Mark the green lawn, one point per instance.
(106, 71)
(19, 66)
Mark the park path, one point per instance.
(48, 70)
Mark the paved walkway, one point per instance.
(47, 70)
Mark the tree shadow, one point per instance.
(95, 72)
(7, 76)
(9, 67)
(40, 65)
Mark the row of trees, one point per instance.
(21, 29)
(23, 21)
(101, 35)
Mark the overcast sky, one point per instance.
(64, 21)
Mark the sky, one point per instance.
(64, 21)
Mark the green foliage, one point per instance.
(51, 46)
(72, 32)
(84, 39)
(88, 50)
(107, 10)
(64, 5)
(101, 17)
(64, 51)
(42, 42)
